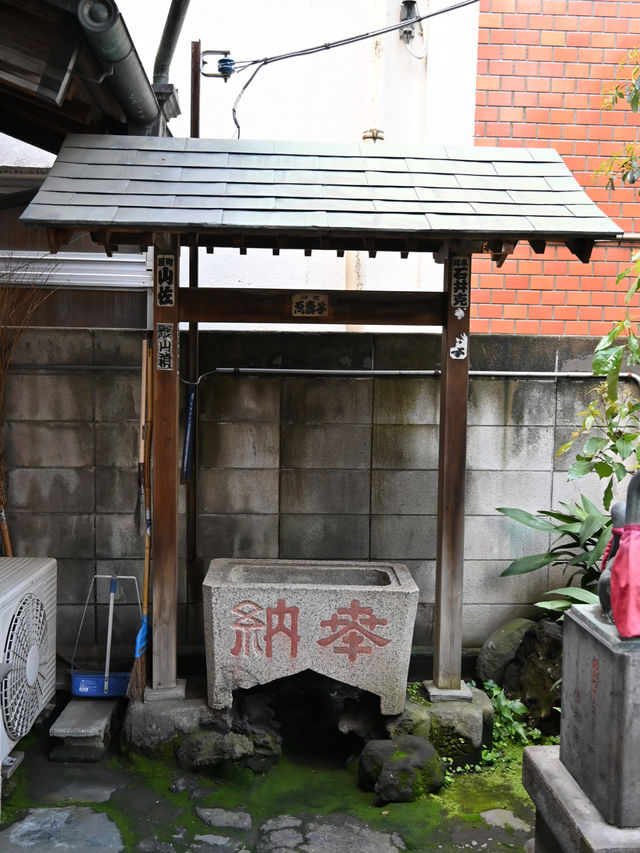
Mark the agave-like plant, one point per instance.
(581, 532)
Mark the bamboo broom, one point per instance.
(138, 679)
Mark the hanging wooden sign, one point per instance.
(309, 305)
(165, 281)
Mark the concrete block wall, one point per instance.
(291, 465)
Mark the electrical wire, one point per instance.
(309, 51)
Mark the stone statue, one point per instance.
(618, 512)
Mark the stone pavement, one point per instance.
(130, 804)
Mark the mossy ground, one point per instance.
(143, 806)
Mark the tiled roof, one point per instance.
(375, 196)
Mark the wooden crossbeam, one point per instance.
(252, 305)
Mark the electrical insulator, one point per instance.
(226, 67)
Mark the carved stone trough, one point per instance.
(351, 621)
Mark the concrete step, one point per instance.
(84, 728)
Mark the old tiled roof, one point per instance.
(311, 195)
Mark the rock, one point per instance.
(460, 729)
(152, 727)
(538, 667)
(227, 818)
(504, 818)
(414, 720)
(500, 649)
(208, 748)
(400, 770)
(333, 834)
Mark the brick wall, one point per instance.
(542, 68)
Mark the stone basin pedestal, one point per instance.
(351, 621)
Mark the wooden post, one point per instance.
(454, 387)
(165, 461)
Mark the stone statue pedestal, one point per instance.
(600, 743)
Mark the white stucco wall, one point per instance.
(332, 96)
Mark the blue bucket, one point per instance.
(92, 683)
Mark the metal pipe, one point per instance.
(110, 41)
(169, 39)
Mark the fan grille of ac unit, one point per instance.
(25, 650)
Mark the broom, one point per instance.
(138, 678)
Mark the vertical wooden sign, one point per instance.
(164, 530)
(454, 389)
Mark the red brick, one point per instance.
(489, 312)
(504, 297)
(551, 69)
(527, 327)
(575, 131)
(528, 36)
(504, 36)
(577, 328)
(503, 5)
(540, 312)
(578, 298)
(579, 7)
(605, 8)
(486, 82)
(552, 99)
(526, 99)
(480, 327)
(541, 23)
(591, 23)
(552, 37)
(554, 7)
(616, 25)
(606, 40)
(613, 315)
(500, 67)
(500, 99)
(591, 54)
(590, 87)
(599, 329)
(528, 297)
(534, 84)
(600, 132)
(551, 327)
(579, 39)
(491, 20)
(603, 298)
(566, 23)
(516, 52)
(530, 6)
(501, 129)
(515, 22)
(540, 53)
(486, 114)
(502, 327)
(565, 54)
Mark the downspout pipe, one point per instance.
(109, 39)
(169, 40)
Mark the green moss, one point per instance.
(415, 692)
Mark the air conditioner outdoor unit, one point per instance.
(28, 591)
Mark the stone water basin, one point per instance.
(351, 621)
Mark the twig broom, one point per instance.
(138, 678)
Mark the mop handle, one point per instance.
(112, 595)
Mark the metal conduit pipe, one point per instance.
(359, 373)
(169, 39)
(110, 41)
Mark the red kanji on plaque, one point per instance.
(277, 624)
(246, 627)
(279, 620)
(353, 631)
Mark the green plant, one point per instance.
(565, 597)
(625, 163)
(508, 714)
(581, 534)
